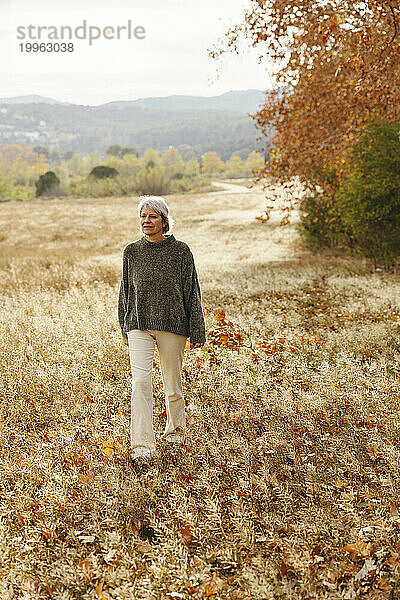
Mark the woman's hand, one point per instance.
(125, 340)
(197, 345)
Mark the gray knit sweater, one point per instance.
(159, 289)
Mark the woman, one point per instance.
(159, 303)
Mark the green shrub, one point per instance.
(47, 184)
(320, 222)
(103, 172)
(369, 200)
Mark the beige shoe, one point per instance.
(142, 453)
(175, 438)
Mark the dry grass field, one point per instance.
(288, 485)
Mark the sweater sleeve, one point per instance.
(123, 294)
(192, 299)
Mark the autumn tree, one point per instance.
(172, 160)
(254, 163)
(192, 168)
(10, 153)
(211, 163)
(151, 157)
(336, 64)
(234, 166)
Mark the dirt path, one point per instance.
(231, 187)
(239, 205)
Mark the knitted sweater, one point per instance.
(159, 289)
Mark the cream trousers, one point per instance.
(141, 354)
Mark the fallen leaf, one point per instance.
(282, 570)
(340, 484)
(394, 511)
(110, 448)
(188, 536)
(99, 591)
(383, 584)
(359, 548)
(368, 570)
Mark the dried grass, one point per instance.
(289, 481)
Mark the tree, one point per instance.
(255, 162)
(192, 168)
(113, 150)
(211, 163)
(129, 165)
(234, 166)
(76, 165)
(128, 150)
(10, 153)
(173, 162)
(47, 184)
(116, 150)
(42, 150)
(102, 172)
(151, 158)
(337, 64)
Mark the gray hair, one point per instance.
(158, 204)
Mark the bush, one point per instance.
(94, 188)
(153, 180)
(47, 184)
(369, 200)
(103, 172)
(320, 219)
(320, 222)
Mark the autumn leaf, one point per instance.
(110, 448)
(340, 70)
(99, 591)
(359, 548)
(283, 568)
(188, 536)
(394, 511)
(367, 571)
(383, 584)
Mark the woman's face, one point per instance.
(150, 221)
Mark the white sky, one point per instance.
(172, 59)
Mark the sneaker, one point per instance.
(175, 438)
(142, 454)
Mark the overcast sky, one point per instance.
(171, 59)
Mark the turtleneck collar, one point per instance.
(167, 240)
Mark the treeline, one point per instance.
(27, 173)
(84, 129)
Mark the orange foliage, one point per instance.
(337, 64)
(12, 152)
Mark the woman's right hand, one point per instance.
(125, 340)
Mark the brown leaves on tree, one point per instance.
(337, 64)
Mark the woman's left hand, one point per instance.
(197, 345)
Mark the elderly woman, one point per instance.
(159, 303)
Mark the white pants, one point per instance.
(141, 354)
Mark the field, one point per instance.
(288, 486)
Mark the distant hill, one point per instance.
(29, 100)
(243, 101)
(194, 124)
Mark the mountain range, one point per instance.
(193, 124)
